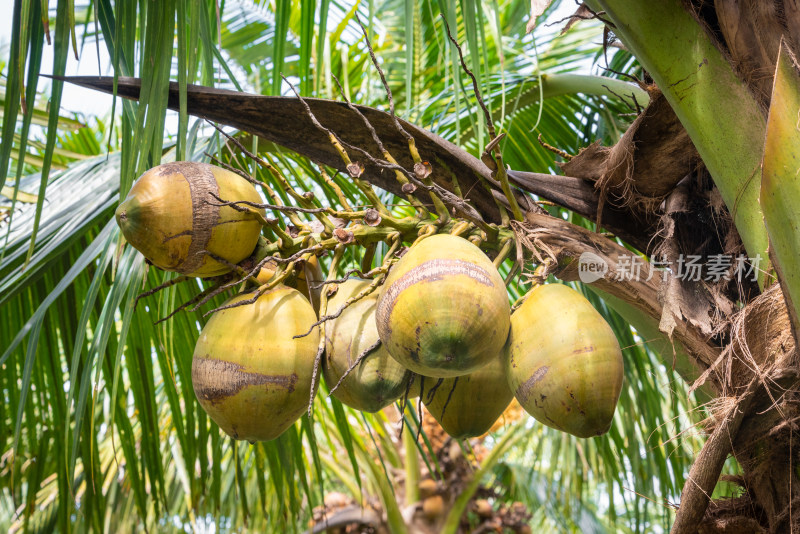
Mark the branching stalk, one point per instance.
(323, 308)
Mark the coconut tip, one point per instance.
(121, 213)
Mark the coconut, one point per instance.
(467, 406)
(267, 271)
(563, 362)
(378, 379)
(249, 373)
(170, 217)
(443, 310)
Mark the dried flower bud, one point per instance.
(423, 170)
(344, 237)
(409, 188)
(355, 169)
(372, 217)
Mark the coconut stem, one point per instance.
(305, 200)
(505, 250)
(382, 270)
(354, 168)
(165, 285)
(336, 189)
(232, 266)
(499, 166)
(441, 209)
(408, 229)
(323, 309)
(425, 231)
(369, 256)
(271, 169)
(276, 279)
(361, 357)
(460, 227)
(399, 176)
(188, 303)
(361, 274)
(512, 273)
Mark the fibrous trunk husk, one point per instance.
(653, 155)
(760, 377)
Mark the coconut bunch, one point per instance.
(412, 305)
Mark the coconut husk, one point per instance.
(752, 30)
(653, 155)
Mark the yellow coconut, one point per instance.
(467, 406)
(563, 362)
(249, 373)
(170, 217)
(443, 310)
(378, 379)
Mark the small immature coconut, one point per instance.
(167, 216)
(443, 310)
(427, 487)
(467, 406)
(378, 379)
(433, 507)
(483, 508)
(563, 362)
(249, 373)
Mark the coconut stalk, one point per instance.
(780, 185)
(453, 519)
(701, 86)
(394, 517)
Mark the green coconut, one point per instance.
(248, 372)
(170, 217)
(467, 406)
(563, 362)
(443, 310)
(378, 379)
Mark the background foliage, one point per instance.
(99, 426)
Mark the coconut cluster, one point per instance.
(440, 328)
